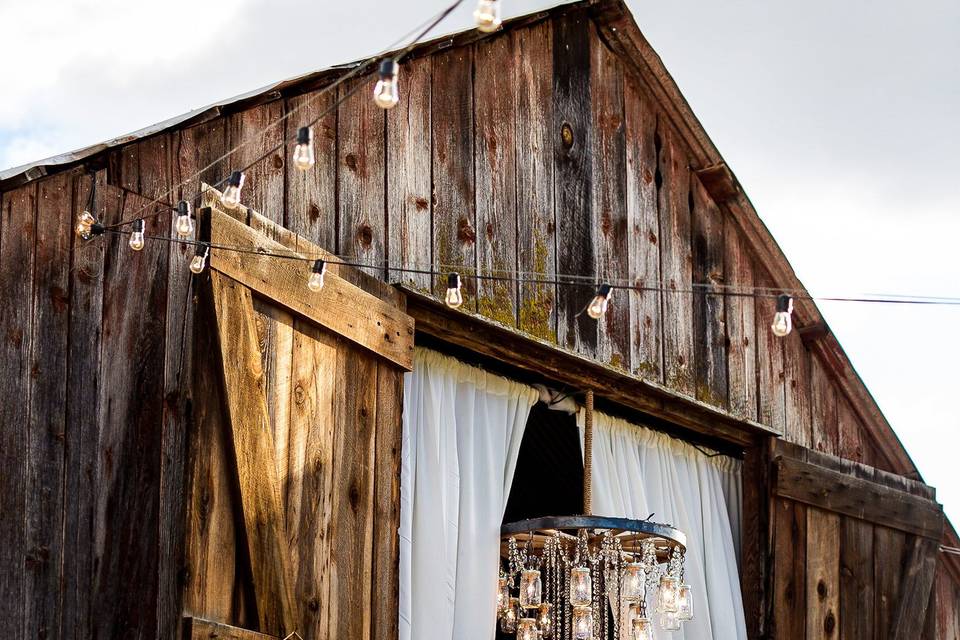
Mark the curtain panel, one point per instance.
(462, 429)
(638, 472)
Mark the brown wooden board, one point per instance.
(789, 597)
(919, 568)
(536, 218)
(823, 575)
(275, 338)
(643, 233)
(824, 404)
(259, 130)
(572, 132)
(755, 547)
(856, 578)
(200, 629)
(311, 195)
(797, 392)
(770, 368)
(709, 316)
(890, 547)
(849, 433)
(741, 325)
(360, 177)
(409, 207)
(452, 131)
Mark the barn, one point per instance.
(195, 443)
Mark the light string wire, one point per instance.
(530, 277)
(427, 26)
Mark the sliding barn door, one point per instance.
(294, 505)
(854, 549)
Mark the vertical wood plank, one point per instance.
(353, 490)
(409, 210)
(709, 316)
(16, 256)
(643, 233)
(451, 123)
(823, 574)
(849, 432)
(889, 547)
(771, 392)
(789, 598)
(573, 178)
(754, 552)
(856, 579)
(609, 194)
(920, 563)
(259, 129)
(741, 325)
(311, 195)
(823, 409)
(275, 340)
(309, 485)
(198, 147)
(797, 390)
(495, 79)
(536, 222)
(46, 429)
(255, 455)
(82, 411)
(385, 594)
(675, 259)
(360, 179)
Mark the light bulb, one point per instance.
(503, 594)
(136, 237)
(454, 297)
(387, 93)
(200, 258)
(581, 586)
(231, 195)
(531, 588)
(782, 321)
(641, 629)
(184, 224)
(527, 629)
(667, 594)
(598, 306)
(487, 15)
(303, 157)
(545, 619)
(634, 582)
(582, 623)
(669, 621)
(685, 602)
(85, 222)
(315, 282)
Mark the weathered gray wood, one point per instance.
(409, 207)
(823, 575)
(741, 325)
(16, 256)
(919, 568)
(856, 578)
(608, 202)
(823, 410)
(797, 391)
(890, 547)
(643, 233)
(259, 129)
(770, 369)
(789, 597)
(536, 220)
(311, 196)
(452, 131)
(495, 79)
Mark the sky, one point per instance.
(840, 119)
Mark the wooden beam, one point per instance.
(340, 306)
(719, 182)
(523, 351)
(255, 456)
(842, 493)
(918, 574)
(200, 629)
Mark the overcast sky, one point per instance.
(841, 120)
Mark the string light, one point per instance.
(386, 93)
(231, 195)
(137, 241)
(85, 222)
(487, 15)
(303, 156)
(453, 298)
(200, 258)
(315, 281)
(184, 224)
(598, 306)
(782, 321)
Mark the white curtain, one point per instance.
(462, 429)
(638, 471)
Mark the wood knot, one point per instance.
(566, 135)
(277, 161)
(421, 204)
(365, 235)
(465, 232)
(490, 231)
(314, 212)
(354, 496)
(647, 176)
(821, 589)
(299, 395)
(652, 237)
(313, 604)
(829, 623)
(351, 161)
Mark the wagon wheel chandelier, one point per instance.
(591, 577)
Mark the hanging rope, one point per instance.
(588, 455)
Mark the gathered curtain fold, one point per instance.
(462, 428)
(638, 472)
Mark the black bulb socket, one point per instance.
(453, 281)
(784, 303)
(235, 179)
(183, 208)
(304, 135)
(604, 290)
(97, 229)
(139, 225)
(319, 266)
(389, 69)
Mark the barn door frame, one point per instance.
(341, 307)
(836, 529)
